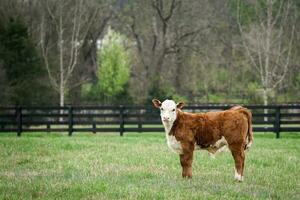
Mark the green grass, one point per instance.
(140, 166)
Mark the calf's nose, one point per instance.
(166, 118)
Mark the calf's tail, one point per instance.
(248, 114)
(249, 133)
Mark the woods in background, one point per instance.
(129, 51)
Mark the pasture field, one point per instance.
(140, 166)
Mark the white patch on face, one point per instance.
(237, 176)
(168, 112)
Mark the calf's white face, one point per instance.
(167, 110)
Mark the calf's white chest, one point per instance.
(172, 143)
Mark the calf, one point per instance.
(211, 131)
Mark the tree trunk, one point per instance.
(61, 96)
(265, 98)
(61, 61)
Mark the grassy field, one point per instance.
(140, 166)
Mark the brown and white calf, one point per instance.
(211, 131)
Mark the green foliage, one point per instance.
(4, 88)
(247, 13)
(113, 71)
(250, 11)
(253, 89)
(298, 80)
(87, 91)
(214, 98)
(22, 65)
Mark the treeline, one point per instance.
(130, 51)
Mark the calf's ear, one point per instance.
(156, 103)
(180, 105)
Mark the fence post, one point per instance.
(48, 127)
(277, 122)
(140, 125)
(19, 120)
(121, 110)
(94, 127)
(140, 120)
(70, 119)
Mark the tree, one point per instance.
(162, 31)
(4, 88)
(268, 40)
(63, 30)
(114, 67)
(193, 49)
(21, 64)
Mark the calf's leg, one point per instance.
(186, 160)
(186, 164)
(238, 154)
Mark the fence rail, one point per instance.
(271, 118)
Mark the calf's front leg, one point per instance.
(186, 160)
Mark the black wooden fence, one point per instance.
(272, 118)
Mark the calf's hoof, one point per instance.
(186, 176)
(238, 177)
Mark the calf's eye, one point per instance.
(161, 109)
(173, 110)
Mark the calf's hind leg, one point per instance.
(238, 154)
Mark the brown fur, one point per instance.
(205, 129)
